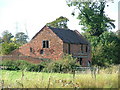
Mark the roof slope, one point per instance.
(69, 36)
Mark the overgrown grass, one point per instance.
(24, 79)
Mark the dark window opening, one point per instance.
(68, 48)
(82, 48)
(31, 50)
(80, 61)
(46, 44)
(41, 51)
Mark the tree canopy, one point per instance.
(96, 26)
(21, 38)
(60, 22)
(9, 43)
(6, 36)
(92, 16)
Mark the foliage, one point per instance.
(8, 47)
(1, 40)
(35, 68)
(67, 64)
(9, 43)
(21, 65)
(6, 36)
(92, 16)
(60, 22)
(118, 33)
(105, 44)
(21, 38)
(11, 65)
(105, 48)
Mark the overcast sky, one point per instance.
(19, 15)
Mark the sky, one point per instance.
(32, 15)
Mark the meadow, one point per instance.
(25, 79)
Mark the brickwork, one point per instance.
(56, 47)
(15, 57)
(75, 50)
(55, 50)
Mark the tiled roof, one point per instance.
(69, 36)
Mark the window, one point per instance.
(82, 48)
(45, 44)
(41, 51)
(68, 48)
(31, 50)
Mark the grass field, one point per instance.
(19, 79)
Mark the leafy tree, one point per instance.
(118, 33)
(6, 36)
(92, 16)
(8, 47)
(60, 22)
(1, 40)
(21, 38)
(105, 48)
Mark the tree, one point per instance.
(10, 43)
(6, 36)
(21, 38)
(105, 48)
(92, 16)
(60, 22)
(8, 47)
(118, 33)
(1, 40)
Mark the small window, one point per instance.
(41, 51)
(31, 50)
(82, 48)
(45, 44)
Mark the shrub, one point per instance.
(21, 65)
(36, 68)
(67, 64)
(11, 65)
(8, 47)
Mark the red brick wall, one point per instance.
(55, 50)
(14, 58)
(56, 47)
(75, 50)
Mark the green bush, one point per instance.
(36, 68)
(8, 47)
(11, 65)
(21, 65)
(67, 64)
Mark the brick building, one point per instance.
(53, 43)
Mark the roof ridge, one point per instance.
(59, 28)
